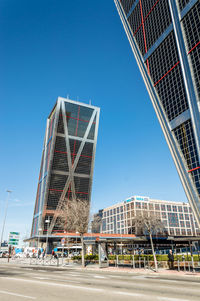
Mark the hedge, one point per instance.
(163, 257)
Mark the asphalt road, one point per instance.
(30, 283)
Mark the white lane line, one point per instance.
(100, 277)
(17, 295)
(57, 284)
(41, 278)
(115, 276)
(131, 294)
(43, 271)
(171, 299)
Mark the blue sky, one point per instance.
(78, 48)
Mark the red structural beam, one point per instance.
(56, 151)
(194, 169)
(194, 47)
(166, 73)
(197, 44)
(58, 190)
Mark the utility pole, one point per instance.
(4, 221)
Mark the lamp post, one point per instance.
(47, 221)
(9, 192)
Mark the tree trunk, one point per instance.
(83, 252)
(154, 256)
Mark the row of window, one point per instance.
(139, 205)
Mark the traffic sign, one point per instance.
(63, 241)
(13, 239)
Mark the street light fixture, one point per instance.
(9, 192)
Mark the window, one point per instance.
(180, 209)
(187, 217)
(114, 211)
(121, 208)
(111, 219)
(138, 205)
(110, 211)
(182, 224)
(174, 208)
(171, 231)
(150, 206)
(190, 209)
(186, 209)
(118, 217)
(173, 219)
(187, 224)
(144, 205)
(189, 232)
(127, 206)
(163, 207)
(104, 225)
(183, 232)
(157, 207)
(122, 216)
(181, 216)
(104, 214)
(118, 225)
(117, 209)
(169, 208)
(164, 215)
(178, 232)
(108, 220)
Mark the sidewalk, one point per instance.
(162, 273)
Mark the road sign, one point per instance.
(13, 239)
(63, 241)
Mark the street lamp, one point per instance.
(9, 192)
(47, 221)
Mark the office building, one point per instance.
(177, 218)
(165, 38)
(67, 162)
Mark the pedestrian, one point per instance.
(43, 254)
(39, 253)
(171, 260)
(52, 254)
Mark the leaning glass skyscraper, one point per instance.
(67, 162)
(165, 39)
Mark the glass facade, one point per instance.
(67, 160)
(175, 223)
(165, 39)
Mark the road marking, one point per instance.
(17, 295)
(170, 299)
(41, 278)
(57, 284)
(131, 294)
(28, 269)
(100, 277)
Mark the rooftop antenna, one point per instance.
(67, 96)
(90, 102)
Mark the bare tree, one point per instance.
(74, 216)
(96, 224)
(145, 223)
